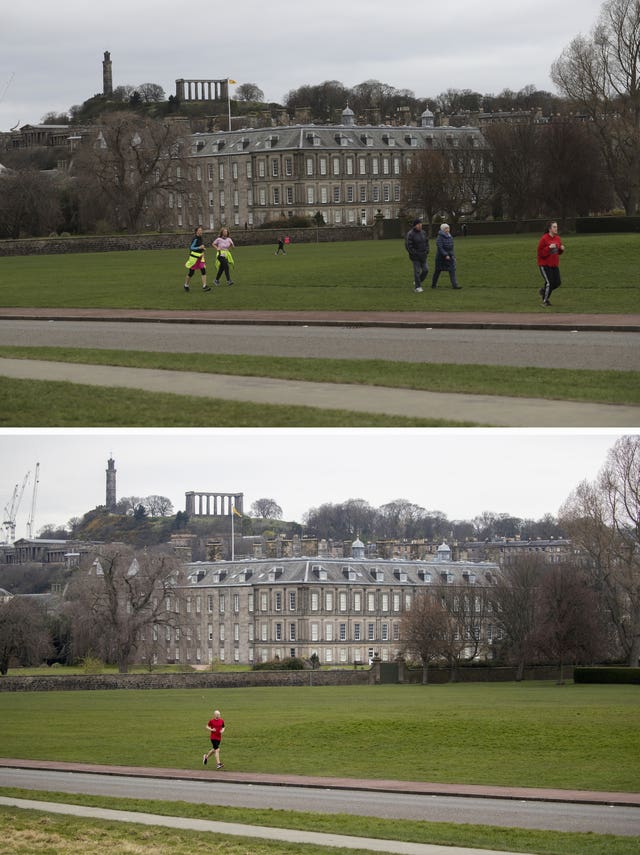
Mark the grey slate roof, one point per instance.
(336, 571)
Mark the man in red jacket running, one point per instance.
(215, 726)
(550, 248)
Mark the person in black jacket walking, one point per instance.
(417, 245)
(445, 257)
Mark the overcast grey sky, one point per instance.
(459, 472)
(51, 53)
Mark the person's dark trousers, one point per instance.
(551, 279)
(420, 271)
(452, 277)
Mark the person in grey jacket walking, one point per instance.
(417, 245)
(445, 257)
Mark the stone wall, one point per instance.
(241, 679)
(124, 243)
(190, 680)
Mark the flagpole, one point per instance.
(233, 552)
(229, 103)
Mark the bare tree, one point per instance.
(599, 73)
(121, 595)
(133, 164)
(150, 93)
(158, 506)
(515, 165)
(128, 504)
(400, 518)
(603, 519)
(568, 629)
(29, 204)
(574, 174)
(425, 630)
(513, 597)
(24, 634)
(266, 509)
(425, 185)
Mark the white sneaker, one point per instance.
(418, 290)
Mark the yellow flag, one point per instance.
(235, 511)
(232, 81)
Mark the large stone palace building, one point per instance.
(348, 173)
(345, 611)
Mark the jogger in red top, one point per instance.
(550, 248)
(215, 726)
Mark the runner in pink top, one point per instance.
(223, 244)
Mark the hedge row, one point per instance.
(607, 675)
(591, 225)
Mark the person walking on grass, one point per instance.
(196, 260)
(280, 248)
(417, 245)
(224, 259)
(445, 257)
(550, 248)
(215, 726)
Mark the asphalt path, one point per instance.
(508, 813)
(516, 347)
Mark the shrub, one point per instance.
(290, 664)
(92, 665)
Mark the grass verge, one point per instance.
(45, 833)
(35, 403)
(615, 387)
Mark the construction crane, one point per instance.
(11, 509)
(7, 85)
(32, 515)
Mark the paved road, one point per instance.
(204, 789)
(531, 347)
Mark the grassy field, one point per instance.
(534, 734)
(531, 734)
(498, 274)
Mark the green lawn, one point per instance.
(530, 734)
(533, 734)
(498, 274)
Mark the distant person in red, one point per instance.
(216, 728)
(550, 248)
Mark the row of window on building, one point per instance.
(326, 601)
